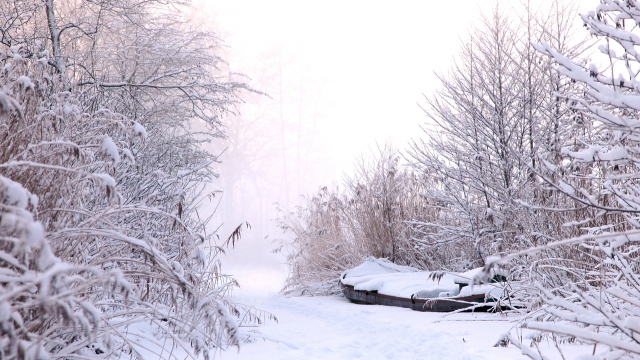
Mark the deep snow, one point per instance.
(332, 328)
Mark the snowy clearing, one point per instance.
(330, 327)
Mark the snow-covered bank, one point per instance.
(333, 328)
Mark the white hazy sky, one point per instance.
(372, 59)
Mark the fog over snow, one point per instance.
(343, 77)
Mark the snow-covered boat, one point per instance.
(380, 282)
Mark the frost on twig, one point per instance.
(595, 302)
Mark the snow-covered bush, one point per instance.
(336, 230)
(599, 172)
(317, 249)
(497, 124)
(100, 176)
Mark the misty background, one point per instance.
(337, 79)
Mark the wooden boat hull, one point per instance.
(435, 305)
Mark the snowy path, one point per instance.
(333, 328)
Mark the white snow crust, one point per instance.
(404, 284)
(105, 180)
(26, 82)
(390, 279)
(386, 278)
(373, 266)
(468, 276)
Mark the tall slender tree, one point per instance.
(488, 123)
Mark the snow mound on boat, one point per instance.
(385, 277)
(373, 266)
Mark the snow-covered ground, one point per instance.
(333, 328)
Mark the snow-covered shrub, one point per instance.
(336, 230)
(384, 197)
(317, 250)
(100, 176)
(598, 301)
(38, 291)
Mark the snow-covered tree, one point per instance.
(495, 111)
(101, 174)
(599, 172)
